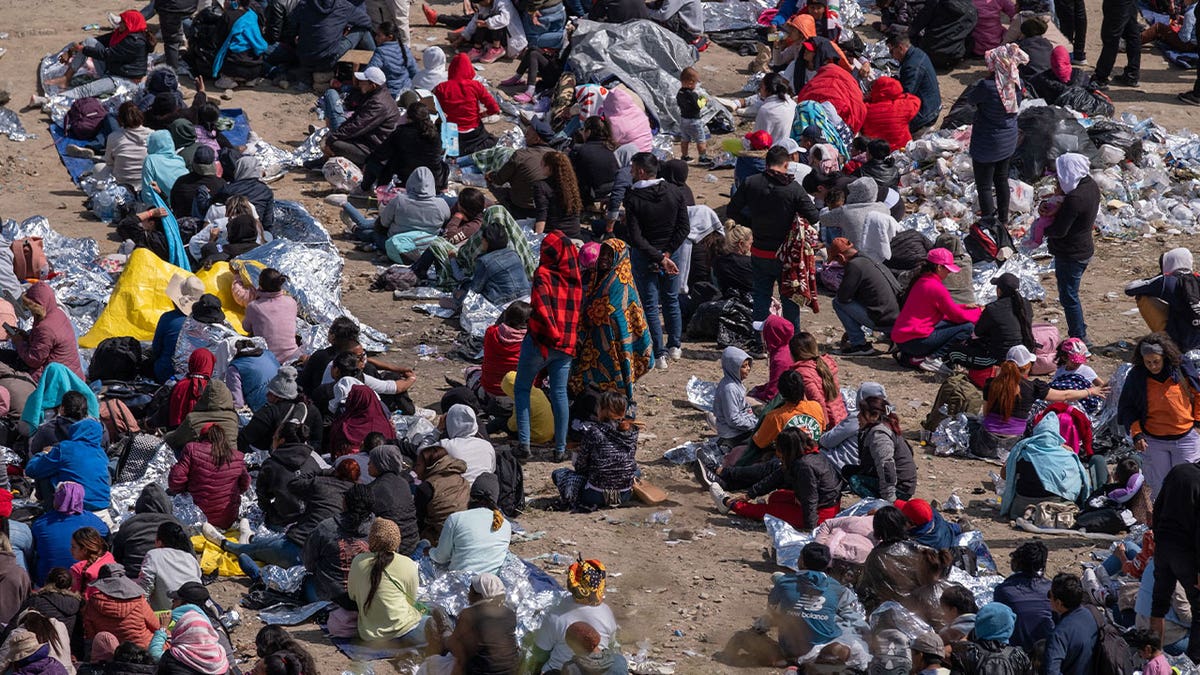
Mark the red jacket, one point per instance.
(501, 349)
(216, 490)
(836, 85)
(129, 620)
(460, 96)
(889, 110)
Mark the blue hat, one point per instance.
(994, 621)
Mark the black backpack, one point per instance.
(1187, 298)
(986, 240)
(1112, 654)
(116, 358)
(512, 482)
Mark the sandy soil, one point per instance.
(709, 588)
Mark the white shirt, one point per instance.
(775, 117)
(1084, 370)
(551, 636)
(381, 387)
(476, 453)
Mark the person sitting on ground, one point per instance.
(367, 117)
(594, 159)
(463, 442)
(494, 32)
(605, 464)
(898, 566)
(120, 54)
(849, 219)
(53, 530)
(586, 580)
(1003, 324)
(251, 368)
(466, 218)
(138, 533)
(394, 58)
(272, 640)
(118, 606)
(409, 223)
(989, 643)
(248, 182)
(272, 315)
(928, 526)
(201, 174)
(382, 587)
(840, 442)
(819, 374)
(188, 390)
(143, 226)
(195, 647)
(501, 350)
(588, 654)
(958, 613)
(735, 420)
(483, 639)
(329, 549)
(460, 98)
(183, 292)
(90, 550)
(918, 77)
(928, 653)
(777, 333)
(55, 600)
(168, 566)
(556, 200)
(890, 111)
(516, 182)
(1027, 593)
(1042, 468)
(214, 473)
(475, 540)
(204, 328)
(499, 275)
(51, 340)
(885, 469)
(442, 490)
(627, 120)
(392, 493)
(290, 456)
(930, 322)
(79, 458)
(809, 607)
(959, 284)
(125, 148)
(24, 653)
(215, 406)
(1148, 645)
(1072, 372)
(415, 143)
(14, 581)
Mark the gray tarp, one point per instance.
(646, 57)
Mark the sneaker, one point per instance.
(1079, 59)
(212, 534)
(686, 158)
(80, 152)
(339, 200)
(660, 362)
(719, 496)
(1124, 80)
(521, 451)
(857, 350)
(675, 353)
(431, 14)
(492, 54)
(474, 54)
(225, 83)
(932, 364)
(560, 455)
(706, 478)
(705, 160)
(523, 97)
(514, 81)
(244, 531)
(1099, 84)
(1189, 98)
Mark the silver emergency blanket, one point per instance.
(1106, 421)
(284, 579)
(973, 541)
(448, 589)
(891, 619)
(272, 159)
(310, 149)
(416, 429)
(106, 195)
(477, 313)
(733, 14)
(646, 57)
(433, 309)
(124, 495)
(51, 67)
(787, 540)
(686, 453)
(294, 223)
(10, 125)
(187, 513)
(950, 438)
(701, 394)
(982, 586)
(1026, 269)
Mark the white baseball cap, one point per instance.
(788, 144)
(373, 75)
(1021, 356)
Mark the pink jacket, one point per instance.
(929, 303)
(776, 333)
(51, 339)
(849, 538)
(629, 123)
(990, 29)
(272, 316)
(814, 390)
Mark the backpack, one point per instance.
(118, 420)
(29, 259)
(512, 483)
(134, 454)
(958, 394)
(1047, 338)
(987, 241)
(1187, 299)
(1112, 655)
(116, 358)
(84, 118)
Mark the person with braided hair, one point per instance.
(475, 540)
(384, 586)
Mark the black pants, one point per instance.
(171, 24)
(1172, 566)
(740, 478)
(972, 354)
(535, 60)
(351, 151)
(1120, 23)
(991, 181)
(1072, 19)
(453, 21)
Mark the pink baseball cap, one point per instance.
(943, 257)
(1076, 350)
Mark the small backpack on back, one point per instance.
(512, 483)
(29, 259)
(1047, 338)
(84, 118)
(1112, 655)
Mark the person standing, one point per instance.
(1119, 23)
(1176, 558)
(994, 131)
(1072, 20)
(1160, 406)
(171, 15)
(1069, 237)
(768, 203)
(656, 225)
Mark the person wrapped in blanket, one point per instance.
(122, 53)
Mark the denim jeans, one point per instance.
(549, 33)
(359, 39)
(853, 317)
(1069, 273)
(1112, 564)
(766, 273)
(659, 293)
(558, 366)
(365, 227)
(335, 113)
(273, 550)
(938, 342)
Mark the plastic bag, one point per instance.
(1108, 132)
(342, 174)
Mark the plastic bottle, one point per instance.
(92, 26)
(660, 517)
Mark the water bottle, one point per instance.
(660, 517)
(92, 26)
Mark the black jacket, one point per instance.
(988, 657)
(375, 118)
(314, 370)
(943, 26)
(618, 11)
(485, 637)
(322, 497)
(884, 172)
(595, 166)
(137, 533)
(258, 193)
(127, 59)
(999, 329)
(394, 500)
(177, 6)
(656, 219)
(733, 273)
(404, 151)
(813, 478)
(873, 286)
(280, 504)
(183, 193)
(1176, 527)
(768, 204)
(278, 21)
(169, 665)
(259, 432)
(1070, 235)
(898, 471)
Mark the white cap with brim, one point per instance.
(373, 75)
(1020, 355)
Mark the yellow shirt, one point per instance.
(391, 613)
(541, 416)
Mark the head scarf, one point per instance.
(614, 347)
(1071, 167)
(433, 71)
(828, 163)
(1177, 260)
(556, 295)
(103, 646)
(68, 498)
(387, 459)
(132, 22)
(1060, 64)
(624, 155)
(585, 581)
(485, 492)
(187, 392)
(194, 643)
(1004, 63)
(360, 414)
(384, 536)
(241, 234)
(162, 165)
(56, 380)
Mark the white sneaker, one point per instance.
(244, 531)
(719, 496)
(660, 362)
(211, 533)
(676, 353)
(337, 199)
(932, 365)
(224, 82)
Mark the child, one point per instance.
(1146, 643)
(735, 421)
(605, 465)
(777, 332)
(1046, 212)
(691, 103)
(1074, 373)
(393, 57)
(494, 32)
(501, 349)
(590, 658)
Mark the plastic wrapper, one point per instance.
(893, 616)
(421, 293)
(8, 456)
(982, 586)
(342, 174)
(195, 335)
(787, 542)
(951, 438)
(287, 615)
(513, 139)
(733, 14)
(973, 541)
(701, 393)
(922, 223)
(863, 507)
(284, 580)
(10, 125)
(187, 513)
(850, 12)
(529, 591)
(477, 313)
(107, 197)
(686, 453)
(850, 399)
(1106, 421)
(1026, 269)
(124, 495)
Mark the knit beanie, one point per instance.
(918, 511)
(283, 384)
(994, 621)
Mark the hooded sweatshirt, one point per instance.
(656, 219)
(281, 506)
(124, 153)
(81, 459)
(215, 406)
(889, 112)
(52, 338)
(733, 413)
(52, 531)
(1058, 469)
(463, 443)
(443, 492)
(138, 532)
(162, 165)
(433, 69)
(393, 496)
(461, 95)
(419, 209)
(851, 217)
(776, 333)
(628, 121)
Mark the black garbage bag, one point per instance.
(736, 327)
(1086, 101)
(1033, 153)
(961, 114)
(1108, 132)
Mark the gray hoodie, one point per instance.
(733, 413)
(419, 209)
(840, 444)
(463, 443)
(852, 216)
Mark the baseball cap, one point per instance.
(929, 643)
(373, 75)
(1076, 350)
(918, 511)
(6, 500)
(943, 257)
(788, 144)
(757, 140)
(1007, 280)
(839, 247)
(191, 592)
(1020, 355)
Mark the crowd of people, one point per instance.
(602, 263)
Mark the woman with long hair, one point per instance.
(48, 631)
(1004, 323)
(777, 108)
(819, 372)
(213, 471)
(272, 640)
(1160, 406)
(168, 566)
(594, 160)
(556, 199)
(384, 586)
(91, 550)
(415, 144)
(930, 322)
(886, 469)
(606, 463)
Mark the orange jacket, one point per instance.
(1169, 411)
(129, 620)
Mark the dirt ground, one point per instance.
(682, 600)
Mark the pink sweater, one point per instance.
(1157, 666)
(928, 304)
(272, 316)
(990, 29)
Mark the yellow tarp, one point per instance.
(212, 558)
(139, 298)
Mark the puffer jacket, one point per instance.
(813, 478)
(460, 96)
(889, 112)
(397, 63)
(320, 25)
(217, 490)
(849, 538)
(835, 85)
(375, 116)
(65, 606)
(129, 620)
(280, 504)
(393, 500)
(52, 339)
(444, 491)
(138, 532)
(814, 390)
(322, 497)
(127, 59)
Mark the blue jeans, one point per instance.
(279, 551)
(335, 113)
(853, 317)
(762, 287)
(366, 227)
(1112, 564)
(1069, 273)
(939, 341)
(359, 39)
(558, 366)
(548, 35)
(658, 291)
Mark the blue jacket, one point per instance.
(81, 459)
(1069, 648)
(500, 276)
(937, 533)
(1025, 595)
(320, 25)
(166, 334)
(807, 603)
(244, 36)
(994, 131)
(256, 373)
(397, 62)
(1058, 469)
(918, 77)
(787, 9)
(52, 538)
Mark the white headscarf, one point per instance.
(434, 71)
(1177, 259)
(1071, 168)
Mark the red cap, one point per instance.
(759, 140)
(918, 511)
(6, 503)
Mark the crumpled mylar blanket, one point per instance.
(529, 591)
(787, 540)
(10, 125)
(284, 579)
(289, 615)
(1106, 421)
(982, 586)
(477, 313)
(701, 393)
(733, 14)
(124, 495)
(686, 453)
(1026, 269)
(951, 438)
